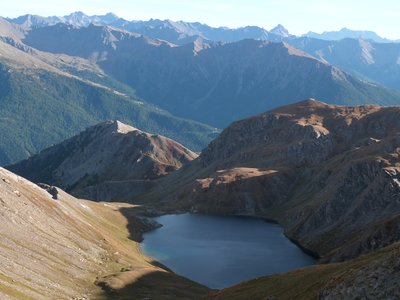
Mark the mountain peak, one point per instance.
(77, 14)
(114, 126)
(110, 14)
(108, 152)
(304, 105)
(124, 128)
(109, 17)
(280, 30)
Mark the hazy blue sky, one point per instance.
(298, 16)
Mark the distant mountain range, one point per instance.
(361, 53)
(348, 33)
(180, 32)
(376, 62)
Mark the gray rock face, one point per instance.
(52, 190)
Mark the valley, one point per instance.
(326, 173)
(168, 159)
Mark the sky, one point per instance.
(298, 16)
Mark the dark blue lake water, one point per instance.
(222, 251)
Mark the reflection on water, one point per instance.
(221, 251)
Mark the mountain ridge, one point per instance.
(372, 61)
(348, 33)
(106, 155)
(181, 32)
(236, 79)
(178, 32)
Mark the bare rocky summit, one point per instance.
(329, 174)
(106, 161)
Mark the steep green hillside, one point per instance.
(42, 108)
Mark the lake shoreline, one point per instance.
(238, 245)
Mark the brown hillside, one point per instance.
(59, 248)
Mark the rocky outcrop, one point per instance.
(106, 162)
(375, 280)
(329, 174)
(52, 190)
